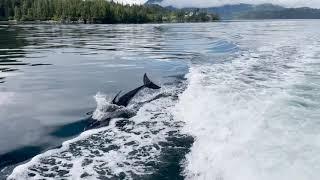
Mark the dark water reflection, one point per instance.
(50, 73)
(11, 50)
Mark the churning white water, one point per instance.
(256, 115)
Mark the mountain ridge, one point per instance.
(250, 11)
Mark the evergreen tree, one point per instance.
(94, 11)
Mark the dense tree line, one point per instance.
(94, 11)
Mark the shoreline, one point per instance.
(15, 22)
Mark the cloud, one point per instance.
(210, 3)
(131, 1)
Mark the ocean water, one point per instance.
(239, 101)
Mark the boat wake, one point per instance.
(249, 110)
(129, 148)
(255, 115)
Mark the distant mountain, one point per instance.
(262, 11)
(286, 13)
(267, 7)
(230, 11)
(239, 10)
(225, 12)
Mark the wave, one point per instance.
(106, 110)
(126, 149)
(255, 116)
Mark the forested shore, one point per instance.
(95, 11)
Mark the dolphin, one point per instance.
(118, 110)
(125, 99)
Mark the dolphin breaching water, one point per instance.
(125, 99)
(117, 107)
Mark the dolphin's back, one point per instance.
(125, 99)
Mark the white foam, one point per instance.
(104, 107)
(111, 151)
(247, 120)
(20, 172)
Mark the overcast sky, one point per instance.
(208, 3)
(131, 1)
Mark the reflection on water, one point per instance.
(11, 49)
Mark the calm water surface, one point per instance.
(249, 107)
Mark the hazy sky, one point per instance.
(208, 3)
(131, 1)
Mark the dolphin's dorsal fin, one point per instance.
(149, 84)
(115, 98)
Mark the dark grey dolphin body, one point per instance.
(125, 99)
